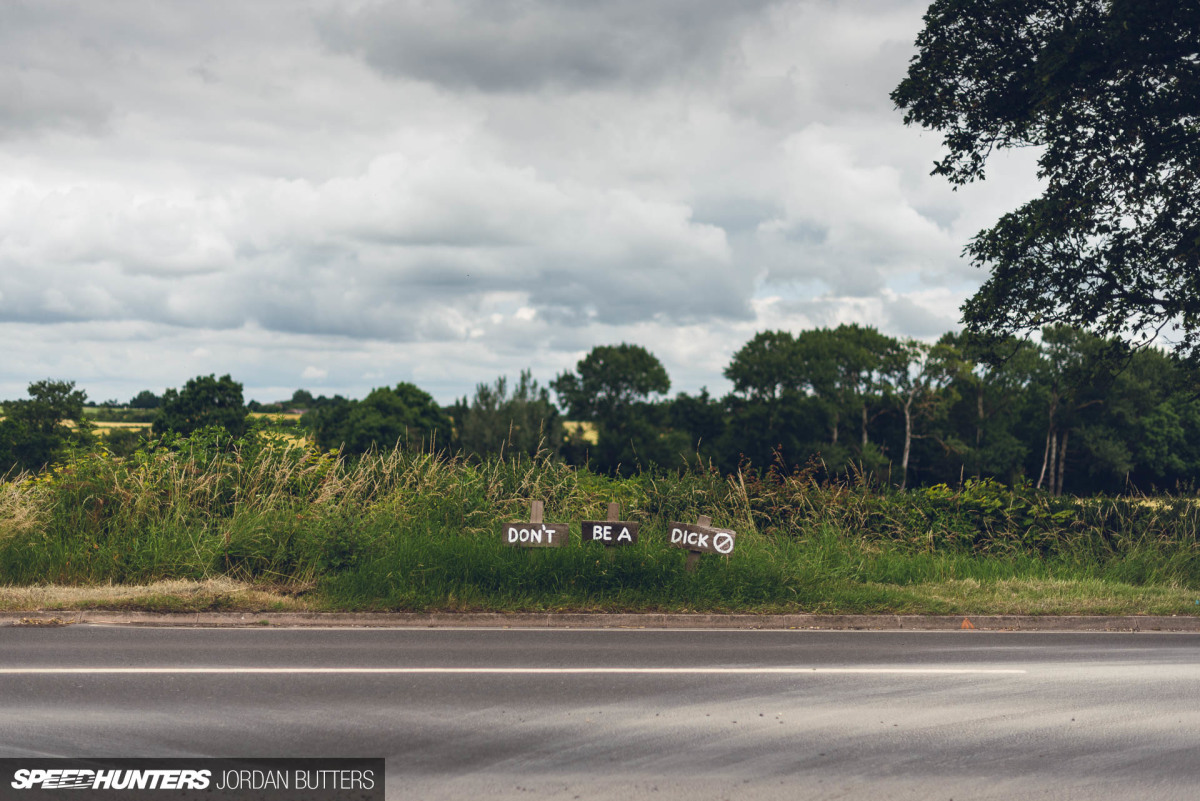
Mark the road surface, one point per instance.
(630, 714)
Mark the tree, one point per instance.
(496, 422)
(773, 414)
(38, 431)
(301, 399)
(204, 401)
(609, 380)
(994, 399)
(843, 367)
(699, 418)
(1109, 91)
(766, 367)
(612, 386)
(385, 418)
(922, 386)
(145, 400)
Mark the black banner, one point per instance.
(183, 778)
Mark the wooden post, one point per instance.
(614, 514)
(693, 557)
(536, 509)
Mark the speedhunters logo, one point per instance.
(81, 779)
(211, 779)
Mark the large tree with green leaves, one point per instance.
(41, 429)
(1109, 93)
(387, 417)
(922, 386)
(609, 380)
(774, 412)
(614, 386)
(204, 401)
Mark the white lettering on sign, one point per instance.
(530, 535)
(700, 538)
(606, 534)
(610, 533)
(690, 538)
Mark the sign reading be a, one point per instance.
(611, 532)
(617, 533)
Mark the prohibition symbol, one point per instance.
(723, 543)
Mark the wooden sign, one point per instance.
(535, 533)
(701, 537)
(612, 532)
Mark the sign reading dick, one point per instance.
(535, 533)
(702, 539)
(611, 532)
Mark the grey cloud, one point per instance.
(447, 190)
(33, 100)
(76, 66)
(733, 212)
(634, 293)
(902, 314)
(519, 45)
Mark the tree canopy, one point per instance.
(204, 401)
(1109, 91)
(609, 380)
(406, 415)
(498, 421)
(145, 400)
(39, 430)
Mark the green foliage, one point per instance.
(205, 401)
(124, 441)
(302, 399)
(697, 425)
(405, 415)
(612, 386)
(403, 529)
(609, 380)
(145, 400)
(496, 422)
(767, 367)
(43, 428)
(110, 414)
(1107, 90)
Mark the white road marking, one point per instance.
(533, 671)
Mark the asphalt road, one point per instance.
(693, 715)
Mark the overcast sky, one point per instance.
(344, 195)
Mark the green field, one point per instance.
(274, 525)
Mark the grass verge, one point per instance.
(203, 524)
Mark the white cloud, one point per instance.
(443, 193)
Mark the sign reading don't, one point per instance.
(535, 533)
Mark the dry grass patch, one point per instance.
(216, 594)
(19, 511)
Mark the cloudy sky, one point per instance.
(343, 195)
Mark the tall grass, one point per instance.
(406, 529)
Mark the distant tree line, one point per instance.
(1072, 413)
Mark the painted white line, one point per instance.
(531, 671)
